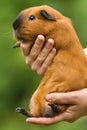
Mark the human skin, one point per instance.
(76, 99)
(34, 59)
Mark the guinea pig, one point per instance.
(67, 72)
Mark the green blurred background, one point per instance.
(17, 81)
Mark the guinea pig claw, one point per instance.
(16, 45)
(23, 112)
(54, 108)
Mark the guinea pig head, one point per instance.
(43, 20)
(31, 22)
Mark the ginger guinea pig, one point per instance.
(67, 72)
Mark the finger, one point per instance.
(68, 116)
(25, 47)
(47, 62)
(63, 98)
(45, 121)
(37, 47)
(43, 55)
(35, 50)
(28, 60)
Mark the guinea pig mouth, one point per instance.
(18, 36)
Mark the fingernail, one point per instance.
(40, 37)
(27, 120)
(48, 97)
(51, 41)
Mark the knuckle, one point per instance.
(70, 119)
(34, 68)
(49, 59)
(51, 55)
(54, 51)
(47, 62)
(39, 72)
(44, 66)
(33, 54)
(40, 60)
(28, 62)
(48, 47)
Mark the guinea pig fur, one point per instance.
(68, 71)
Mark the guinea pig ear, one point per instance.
(46, 15)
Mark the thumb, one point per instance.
(62, 98)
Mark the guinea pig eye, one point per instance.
(32, 17)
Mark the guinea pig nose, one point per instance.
(17, 22)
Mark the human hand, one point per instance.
(77, 101)
(40, 56)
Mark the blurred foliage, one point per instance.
(17, 81)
